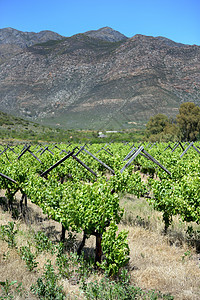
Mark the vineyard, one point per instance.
(80, 187)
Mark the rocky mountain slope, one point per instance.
(91, 82)
(106, 34)
(12, 41)
(25, 39)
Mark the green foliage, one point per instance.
(187, 127)
(189, 121)
(119, 290)
(7, 291)
(161, 128)
(47, 287)
(14, 128)
(73, 266)
(8, 234)
(28, 257)
(6, 288)
(186, 254)
(79, 207)
(42, 243)
(116, 250)
(82, 202)
(163, 200)
(178, 196)
(128, 182)
(156, 124)
(67, 264)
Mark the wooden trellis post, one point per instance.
(154, 144)
(190, 145)
(74, 156)
(130, 154)
(8, 178)
(132, 158)
(176, 145)
(101, 162)
(57, 163)
(84, 165)
(168, 147)
(105, 149)
(144, 153)
(155, 161)
(46, 149)
(5, 149)
(28, 149)
(24, 151)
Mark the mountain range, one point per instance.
(99, 79)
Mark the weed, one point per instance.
(43, 243)
(73, 266)
(186, 254)
(46, 287)
(65, 264)
(109, 290)
(6, 287)
(8, 233)
(28, 257)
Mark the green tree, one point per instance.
(170, 133)
(156, 124)
(188, 121)
(161, 128)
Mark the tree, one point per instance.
(156, 124)
(188, 121)
(160, 128)
(171, 133)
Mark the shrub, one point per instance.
(47, 287)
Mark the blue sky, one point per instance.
(178, 20)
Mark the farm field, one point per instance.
(80, 191)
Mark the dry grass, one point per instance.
(164, 263)
(157, 265)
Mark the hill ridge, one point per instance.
(86, 82)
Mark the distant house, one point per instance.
(101, 135)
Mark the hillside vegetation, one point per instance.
(15, 129)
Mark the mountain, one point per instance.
(12, 40)
(106, 34)
(89, 82)
(25, 39)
